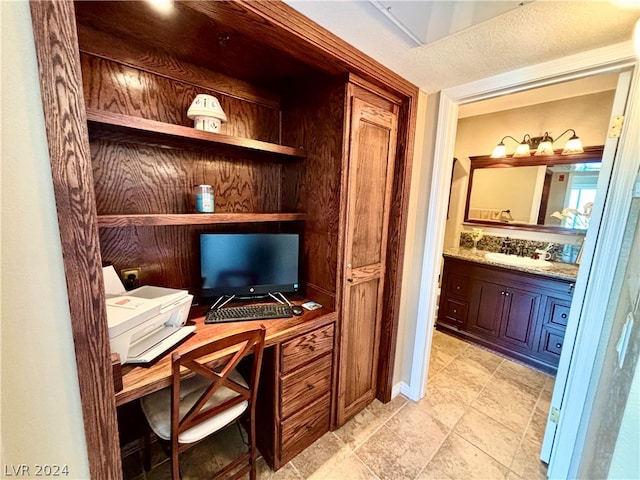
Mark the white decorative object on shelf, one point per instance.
(206, 113)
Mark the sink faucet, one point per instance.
(506, 246)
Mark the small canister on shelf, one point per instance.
(204, 198)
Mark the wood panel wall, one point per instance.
(278, 27)
(314, 118)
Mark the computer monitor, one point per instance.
(248, 264)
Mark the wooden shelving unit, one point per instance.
(115, 126)
(148, 220)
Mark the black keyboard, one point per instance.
(249, 312)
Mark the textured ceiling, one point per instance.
(536, 32)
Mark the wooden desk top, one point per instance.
(139, 381)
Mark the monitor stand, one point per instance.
(224, 299)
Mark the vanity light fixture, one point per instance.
(542, 145)
(522, 150)
(573, 145)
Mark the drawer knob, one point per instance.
(309, 386)
(455, 311)
(458, 287)
(564, 315)
(312, 348)
(558, 345)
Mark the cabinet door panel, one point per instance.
(486, 310)
(519, 315)
(369, 180)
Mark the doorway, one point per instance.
(610, 59)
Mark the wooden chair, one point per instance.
(195, 407)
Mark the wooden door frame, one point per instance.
(55, 35)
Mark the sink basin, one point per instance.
(516, 260)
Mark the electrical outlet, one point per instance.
(130, 278)
(126, 273)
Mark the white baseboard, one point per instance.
(400, 388)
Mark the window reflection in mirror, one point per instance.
(555, 191)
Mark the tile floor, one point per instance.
(483, 417)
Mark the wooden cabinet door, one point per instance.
(487, 303)
(519, 318)
(372, 145)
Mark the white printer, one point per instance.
(145, 322)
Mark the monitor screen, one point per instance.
(248, 264)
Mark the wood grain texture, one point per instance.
(117, 88)
(136, 180)
(303, 428)
(278, 24)
(303, 386)
(142, 380)
(359, 350)
(65, 123)
(157, 62)
(124, 128)
(372, 142)
(396, 238)
(305, 348)
(313, 118)
(211, 41)
(150, 220)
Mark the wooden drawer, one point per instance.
(551, 341)
(305, 348)
(302, 429)
(458, 286)
(456, 311)
(559, 313)
(304, 385)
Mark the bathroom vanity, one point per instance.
(518, 311)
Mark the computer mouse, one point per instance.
(297, 310)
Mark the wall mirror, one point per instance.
(543, 193)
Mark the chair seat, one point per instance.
(157, 408)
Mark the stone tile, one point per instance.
(544, 401)
(357, 430)
(488, 435)
(199, 461)
(414, 424)
(549, 385)
(385, 410)
(459, 459)
(443, 405)
(160, 472)
(264, 472)
(481, 359)
(132, 466)
(438, 359)
(507, 401)
(227, 444)
(448, 343)
(523, 374)
(433, 472)
(321, 457)
(512, 476)
(537, 426)
(351, 468)
(391, 457)
(527, 463)
(461, 380)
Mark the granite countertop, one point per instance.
(563, 271)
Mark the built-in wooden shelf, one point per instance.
(159, 219)
(115, 126)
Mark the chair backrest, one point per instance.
(232, 349)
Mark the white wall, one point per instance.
(41, 412)
(414, 246)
